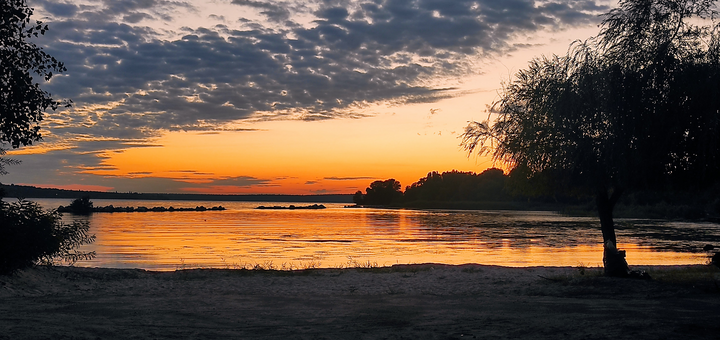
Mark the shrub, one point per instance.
(81, 206)
(30, 236)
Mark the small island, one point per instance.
(292, 207)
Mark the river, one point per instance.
(242, 237)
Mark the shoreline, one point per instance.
(434, 301)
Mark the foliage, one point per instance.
(29, 236)
(459, 186)
(4, 161)
(358, 197)
(491, 189)
(81, 206)
(381, 193)
(22, 102)
(635, 108)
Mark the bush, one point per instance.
(30, 236)
(81, 206)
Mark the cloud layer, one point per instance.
(128, 78)
(137, 68)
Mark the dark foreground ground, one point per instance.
(403, 302)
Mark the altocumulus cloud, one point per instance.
(128, 79)
(137, 68)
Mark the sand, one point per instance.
(429, 301)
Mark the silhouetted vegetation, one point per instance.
(80, 206)
(452, 189)
(459, 186)
(380, 193)
(491, 190)
(30, 236)
(22, 102)
(633, 109)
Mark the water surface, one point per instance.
(242, 236)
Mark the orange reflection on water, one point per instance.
(337, 237)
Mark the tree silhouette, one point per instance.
(81, 206)
(358, 197)
(29, 235)
(22, 101)
(636, 107)
(382, 193)
(458, 186)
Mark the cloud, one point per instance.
(241, 181)
(136, 17)
(272, 10)
(347, 178)
(67, 168)
(59, 9)
(109, 10)
(127, 81)
(61, 166)
(134, 70)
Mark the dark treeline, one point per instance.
(437, 189)
(24, 191)
(459, 186)
(492, 189)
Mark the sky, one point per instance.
(278, 97)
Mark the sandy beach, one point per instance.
(430, 301)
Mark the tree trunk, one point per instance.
(613, 259)
(605, 205)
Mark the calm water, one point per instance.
(336, 237)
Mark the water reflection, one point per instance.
(336, 237)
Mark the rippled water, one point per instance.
(242, 236)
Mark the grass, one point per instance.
(352, 263)
(271, 266)
(693, 275)
(704, 277)
(673, 275)
(698, 278)
(581, 274)
(304, 267)
(586, 271)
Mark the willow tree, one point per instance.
(636, 107)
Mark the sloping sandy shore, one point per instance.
(429, 301)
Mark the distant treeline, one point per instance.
(493, 189)
(24, 191)
(490, 190)
(437, 189)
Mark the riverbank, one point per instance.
(30, 192)
(429, 301)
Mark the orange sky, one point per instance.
(335, 156)
(307, 157)
(139, 129)
(332, 156)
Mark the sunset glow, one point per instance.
(295, 97)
